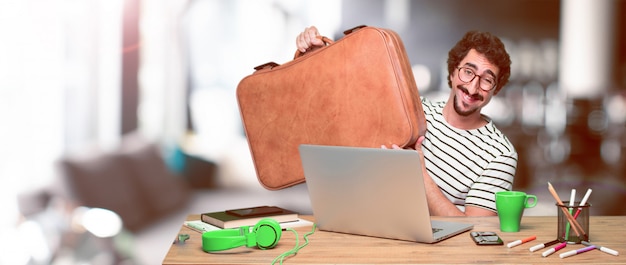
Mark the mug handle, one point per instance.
(533, 204)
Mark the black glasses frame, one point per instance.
(474, 75)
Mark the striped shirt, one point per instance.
(469, 166)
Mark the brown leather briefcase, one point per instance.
(356, 91)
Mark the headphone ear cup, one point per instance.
(267, 232)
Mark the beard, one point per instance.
(458, 108)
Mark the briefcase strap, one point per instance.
(325, 39)
(328, 41)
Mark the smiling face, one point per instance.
(467, 97)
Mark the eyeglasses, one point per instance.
(466, 75)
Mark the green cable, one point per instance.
(297, 248)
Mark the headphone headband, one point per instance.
(225, 239)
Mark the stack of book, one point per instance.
(248, 216)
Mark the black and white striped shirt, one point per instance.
(469, 166)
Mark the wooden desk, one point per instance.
(328, 247)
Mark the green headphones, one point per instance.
(264, 235)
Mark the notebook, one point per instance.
(371, 192)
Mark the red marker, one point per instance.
(521, 241)
(583, 202)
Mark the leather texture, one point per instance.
(356, 91)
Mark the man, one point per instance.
(465, 158)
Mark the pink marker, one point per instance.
(554, 249)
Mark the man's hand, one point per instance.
(417, 146)
(438, 204)
(309, 40)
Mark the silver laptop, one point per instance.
(371, 192)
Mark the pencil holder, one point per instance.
(573, 232)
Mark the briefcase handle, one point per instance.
(327, 41)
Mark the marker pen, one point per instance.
(554, 249)
(583, 202)
(540, 246)
(521, 241)
(601, 248)
(571, 204)
(576, 251)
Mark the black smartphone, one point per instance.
(486, 238)
(258, 211)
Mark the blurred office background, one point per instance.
(80, 77)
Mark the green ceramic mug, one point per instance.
(510, 206)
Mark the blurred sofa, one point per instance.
(151, 197)
(134, 181)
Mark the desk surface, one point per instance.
(328, 247)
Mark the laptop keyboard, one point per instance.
(435, 230)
